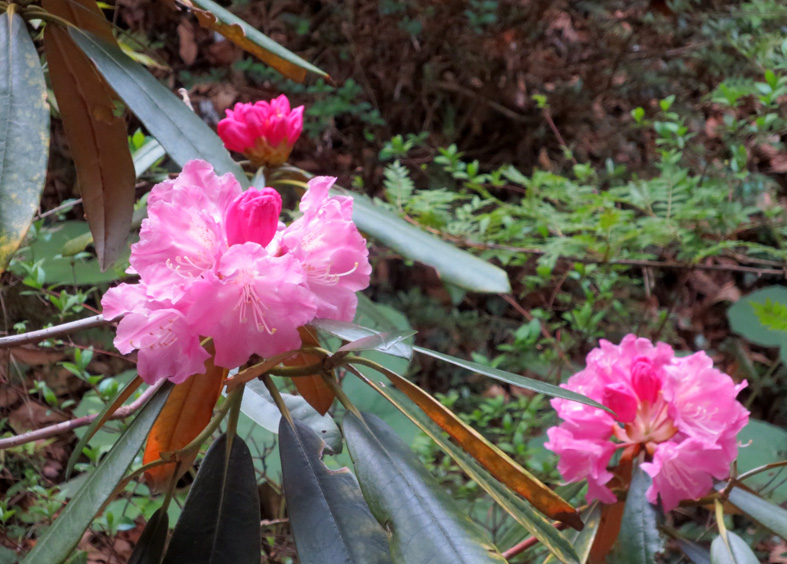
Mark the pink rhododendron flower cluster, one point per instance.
(681, 412)
(215, 261)
(265, 131)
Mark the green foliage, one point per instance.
(772, 315)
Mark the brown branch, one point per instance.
(52, 332)
(59, 428)
(528, 542)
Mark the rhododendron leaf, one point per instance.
(312, 388)
(382, 342)
(734, 551)
(515, 379)
(582, 541)
(694, 552)
(639, 539)
(24, 133)
(179, 130)
(97, 137)
(767, 514)
(215, 17)
(150, 547)
(60, 539)
(220, 522)
(454, 265)
(424, 523)
(498, 463)
(258, 405)
(101, 418)
(328, 515)
(354, 333)
(520, 510)
(186, 414)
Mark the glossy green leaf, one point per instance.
(24, 133)
(147, 155)
(220, 522)
(515, 379)
(745, 321)
(524, 513)
(454, 265)
(328, 515)
(582, 541)
(738, 552)
(241, 33)
(179, 130)
(694, 552)
(59, 540)
(639, 539)
(389, 342)
(764, 444)
(764, 512)
(259, 406)
(424, 524)
(100, 419)
(150, 546)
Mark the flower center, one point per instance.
(652, 424)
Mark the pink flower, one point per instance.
(213, 264)
(265, 131)
(333, 253)
(681, 412)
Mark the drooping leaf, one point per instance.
(96, 135)
(150, 546)
(182, 133)
(59, 540)
(454, 265)
(259, 406)
(354, 333)
(100, 419)
(220, 522)
(328, 515)
(515, 379)
(213, 16)
(582, 541)
(186, 414)
(424, 524)
(312, 388)
(85, 14)
(694, 552)
(24, 133)
(521, 511)
(382, 342)
(767, 514)
(737, 552)
(639, 539)
(498, 463)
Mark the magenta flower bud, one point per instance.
(644, 379)
(253, 216)
(264, 132)
(619, 399)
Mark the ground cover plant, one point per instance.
(538, 317)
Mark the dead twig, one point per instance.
(53, 332)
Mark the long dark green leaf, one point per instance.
(424, 524)
(515, 379)
(387, 342)
(582, 541)
(259, 406)
(533, 521)
(738, 552)
(242, 34)
(694, 552)
(184, 135)
(452, 264)
(61, 538)
(150, 546)
(220, 522)
(100, 419)
(24, 133)
(328, 515)
(639, 539)
(764, 512)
